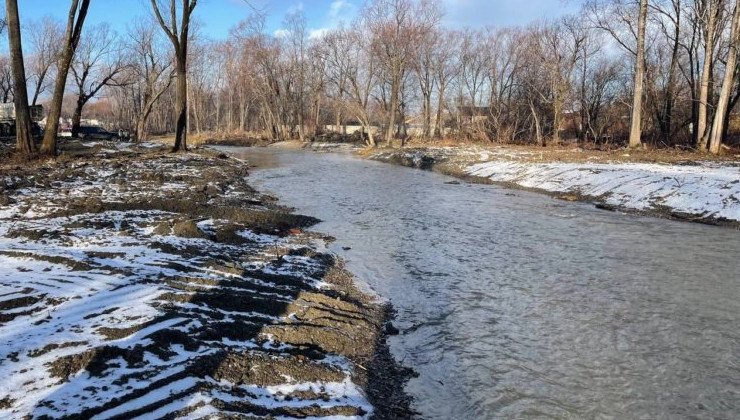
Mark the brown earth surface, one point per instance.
(151, 282)
(576, 153)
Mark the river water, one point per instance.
(517, 305)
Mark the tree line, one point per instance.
(663, 72)
(93, 61)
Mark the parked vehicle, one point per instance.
(97, 133)
(7, 118)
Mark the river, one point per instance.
(516, 305)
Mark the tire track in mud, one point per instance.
(143, 284)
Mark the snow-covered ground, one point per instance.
(702, 191)
(113, 305)
(707, 190)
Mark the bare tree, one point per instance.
(636, 119)
(535, 90)
(46, 40)
(298, 67)
(446, 69)
(98, 62)
(272, 84)
(475, 63)
(720, 116)
(204, 83)
(152, 68)
(395, 64)
(560, 46)
(327, 49)
(316, 85)
(423, 65)
(24, 139)
(397, 27)
(349, 59)
(179, 38)
(664, 82)
(616, 18)
(504, 67)
(241, 78)
(711, 14)
(75, 20)
(6, 79)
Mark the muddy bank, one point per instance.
(678, 188)
(322, 140)
(134, 281)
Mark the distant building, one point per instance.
(474, 113)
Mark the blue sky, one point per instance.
(218, 16)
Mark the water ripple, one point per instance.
(519, 306)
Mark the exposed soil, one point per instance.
(137, 281)
(221, 139)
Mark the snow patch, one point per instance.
(707, 190)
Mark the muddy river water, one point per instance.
(516, 305)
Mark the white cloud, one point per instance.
(340, 10)
(298, 7)
(318, 33)
(281, 33)
(336, 8)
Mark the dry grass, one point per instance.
(585, 153)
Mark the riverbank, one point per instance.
(676, 185)
(134, 281)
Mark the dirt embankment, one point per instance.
(137, 281)
(263, 139)
(672, 184)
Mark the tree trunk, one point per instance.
(141, 129)
(299, 119)
(537, 128)
(141, 132)
(180, 45)
(218, 127)
(72, 38)
(392, 112)
(181, 106)
(74, 30)
(702, 134)
(584, 110)
(669, 100)
(230, 125)
(557, 117)
(438, 129)
(244, 118)
(371, 140)
(720, 115)
(77, 115)
(367, 129)
(635, 128)
(427, 115)
(317, 116)
(24, 139)
(37, 89)
(242, 113)
(194, 109)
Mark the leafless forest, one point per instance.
(664, 70)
